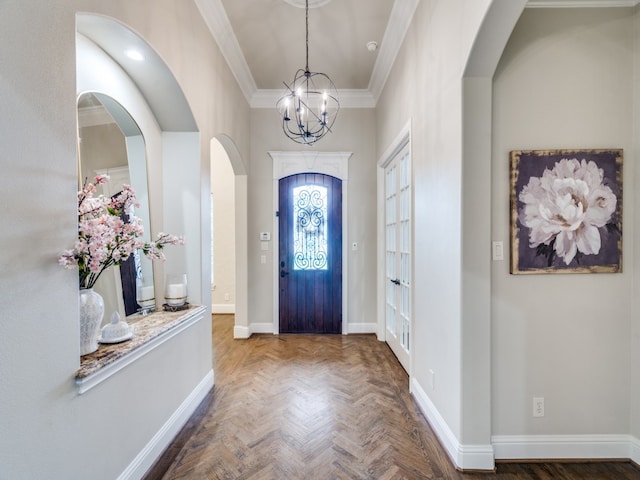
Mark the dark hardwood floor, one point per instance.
(313, 407)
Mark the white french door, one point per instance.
(398, 255)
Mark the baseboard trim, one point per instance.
(635, 450)
(352, 328)
(240, 331)
(161, 440)
(223, 308)
(261, 328)
(464, 457)
(565, 447)
(362, 328)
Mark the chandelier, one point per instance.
(310, 105)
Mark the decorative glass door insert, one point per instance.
(311, 227)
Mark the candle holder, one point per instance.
(146, 298)
(175, 290)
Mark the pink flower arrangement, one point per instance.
(105, 238)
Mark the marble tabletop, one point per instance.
(145, 328)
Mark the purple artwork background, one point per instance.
(533, 164)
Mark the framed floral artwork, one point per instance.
(566, 211)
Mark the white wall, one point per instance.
(535, 345)
(425, 86)
(224, 230)
(352, 132)
(41, 415)
(566, 80)
(635, 318)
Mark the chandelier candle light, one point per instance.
(310, 105)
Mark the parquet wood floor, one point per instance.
(292, 407)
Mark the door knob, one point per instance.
(283, 273)
(396, 281)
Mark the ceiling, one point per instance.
(263, 42)
(271, 35)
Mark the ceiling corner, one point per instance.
(581, 3)
(348, 98)
(216, 18)
(399, 22)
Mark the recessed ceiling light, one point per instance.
(134, 55)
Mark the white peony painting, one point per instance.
(566, 211)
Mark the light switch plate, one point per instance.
(498, 251)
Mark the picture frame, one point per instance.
(566, 211)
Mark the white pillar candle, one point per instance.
(176, 290)
(146, 293)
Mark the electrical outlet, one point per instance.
(538, 406)
(227, 297)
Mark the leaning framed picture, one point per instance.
(566, 211)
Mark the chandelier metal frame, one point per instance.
(310, 106)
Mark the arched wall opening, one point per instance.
(223, 235)
(146, 89)
(175, 377)
(475, 339)
(230, 238)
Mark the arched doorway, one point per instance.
(230, 188)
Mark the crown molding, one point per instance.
(217, 20)
(312, 3)
(348, 98)
(581, 3)
(399, 22)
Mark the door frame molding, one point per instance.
(335, 164)
(402, 139)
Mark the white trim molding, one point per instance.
(536, 447)
(223, 308)
(464, 457)
(395, 147)
(399, 23)
(261, 328)
(161, 440)
(525, 447)
(217, 21)
(87, 383)
(348, 98)
(215, 16)
(581, 3)
(362, 327)
(635, 450)
(241, 331)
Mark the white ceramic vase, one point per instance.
(91, 313)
